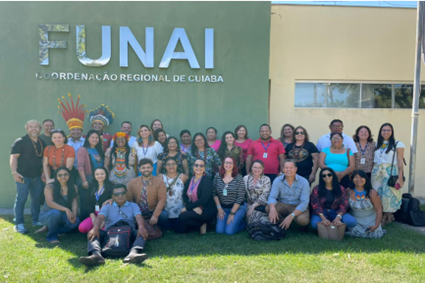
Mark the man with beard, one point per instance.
(27, 166)
(126, 127)
(268, 150)
(150, 193)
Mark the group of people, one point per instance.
(96, 181)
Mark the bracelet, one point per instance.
(293, 215)
(340, 217)
(13, 173)
(320, 214)
(85, 180)
(218, 206)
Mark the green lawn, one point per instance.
(300, 257)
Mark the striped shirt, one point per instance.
(235, 191)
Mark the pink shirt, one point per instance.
(216, 145)
(274, 147)
(245, 146)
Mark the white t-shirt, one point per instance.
(151, 152)
(382, 157)
(325, 141)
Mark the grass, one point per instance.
(300, 257)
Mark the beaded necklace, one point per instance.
(62, 157)
(35, 147)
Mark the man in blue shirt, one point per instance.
(120, 210)
(289, 197)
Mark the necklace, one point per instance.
(54, 157)
(35, 147)
(360, 195)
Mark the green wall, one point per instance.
(242, 39)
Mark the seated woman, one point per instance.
(89, 157)
(100, 191)
(59, 213)
(366, 207)
(329, 202)
(174, 182)
(120, 160)
(172, 149)
(338, 158)
(199, 206)
(229, 196)
(258, 188)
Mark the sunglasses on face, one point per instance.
(199, 165)
(299, 133)
(326, 175)
(64, 175)
(119, 194)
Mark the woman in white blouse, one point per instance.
(147, 147)
(386, 147)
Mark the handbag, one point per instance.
(332, 232)
(393, 178)
(154, 231)
(117, 241)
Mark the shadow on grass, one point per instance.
(397, 239)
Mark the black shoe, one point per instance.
(92, 260)
(134, 257)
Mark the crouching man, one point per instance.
(121, 211)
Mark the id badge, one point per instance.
(362, 161)
(96, 208)
(265, 155)
(225, 192)
(379, 161)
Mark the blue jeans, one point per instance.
(34, 188)
(237, 225)
(162, 219)
(57, 222)
(330, 214)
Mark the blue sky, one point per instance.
(394, 4)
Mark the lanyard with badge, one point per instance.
(97, 195)
(363, 151)
(193, 185)
(265, 149)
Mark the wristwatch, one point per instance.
(340, 217)
(232, 213)
(293, 215)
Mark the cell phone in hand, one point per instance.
(397, 186)
(368, 229)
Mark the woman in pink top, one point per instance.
(243, 142)
(212, 138)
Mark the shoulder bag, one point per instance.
(393, 178)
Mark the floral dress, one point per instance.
(175, 188)
(258, 193)
(119, 172)
(212, 161)
(179, 158)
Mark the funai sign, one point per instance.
(126, 39)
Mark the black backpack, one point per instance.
(117, 242)
(265, 231)
(410, 211)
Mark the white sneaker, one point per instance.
(20, 228)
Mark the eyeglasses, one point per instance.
(326, 175)
(337, 126)
(171, 164)
(64, 175)
(199, 165)
(172, 143)
(119, 194)
(336, 139)
(299, 133)
(228, 163)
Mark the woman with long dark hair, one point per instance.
(100, 191)
(387, 150)
(201, 149)
(366, 207)
(365, 150)
(212, 140)
(147, 147)
(287, 134)
(243, 141)
(228, 148)
(186, 141)
(120, 160)
(59, 213)
(172, 149)
(329, 201)
(160, 136)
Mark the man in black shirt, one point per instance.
(26, 165)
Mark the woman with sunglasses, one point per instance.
(100, 191)
(339, 158)
(366, 207)
(387, 150)
(201, 149)
(329, 202)
(121, 160)
(58, 155)
(59, 213)
(174, 181)
(229, 196)
(172, 149)
(304, 153)
(199, 206)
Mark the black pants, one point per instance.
(96, 244)
(192, 219)
(176, 225)
(85, 209)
